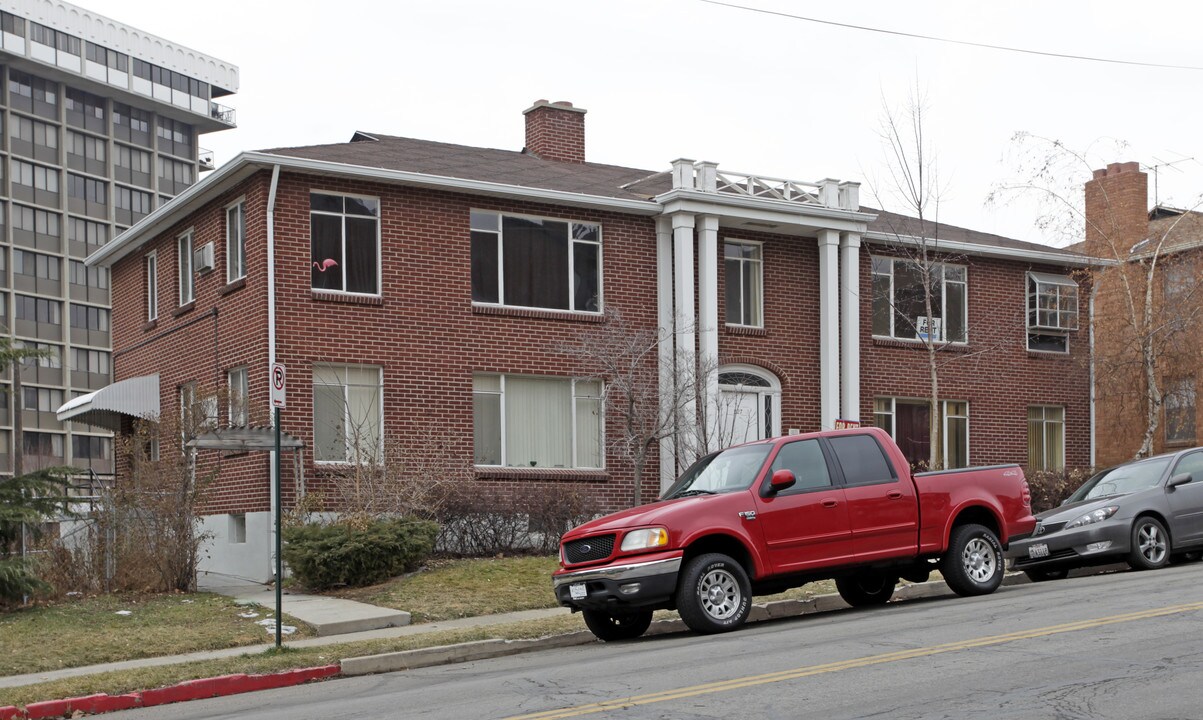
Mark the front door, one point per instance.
(805, 527)
(747, 406)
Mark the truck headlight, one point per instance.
(1094, 516)
(645, 539)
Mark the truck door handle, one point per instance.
(894, 494)
(829, 503)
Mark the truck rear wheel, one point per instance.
(865, 588)
(617, 626)
(714, 594)
(973, 564)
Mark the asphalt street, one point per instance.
(1123, 645)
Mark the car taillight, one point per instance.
(1026, 494)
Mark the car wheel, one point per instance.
(714, 594)
(617, 626)
(1045, 575)
(866, 588)
(1150, 544)
(973, 564)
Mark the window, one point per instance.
(184, 261)
(86, 237)
(537, 421)
(12, 24)
(89, 451)
(36, 228)
(38, 309)
(1180, 411)
(745, 283)
(42, 450)
(197, 413)
(174, 175)
(1052, 311)
(805, 459)
(862, 460)
(88, 196)
(51, 356)
(344, 241)
(152, 287)
(537, 263)
(85, 110)
(899, 307)
(347, 414)
(86, 317)
(908, 422)
(131, 124)
(238, 396)
(89, 277)
(131, 165)
(237, 532)
(96, 362)
(1046, 437)
(235, 242)
(46, 400)
(130, 205)
(35, 265)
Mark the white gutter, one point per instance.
(271, 348)
(1051, 257)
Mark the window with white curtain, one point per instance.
(348, 419)
(1046, 437)
(238, 389)
(537, 421)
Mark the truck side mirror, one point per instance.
(781, 480)
(1179, 479)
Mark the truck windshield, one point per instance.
(721, 472)
(1122, 479)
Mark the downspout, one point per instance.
(271, 351)
(1092, 393)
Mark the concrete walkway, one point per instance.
(327, 615)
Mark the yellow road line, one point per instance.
(753, 680)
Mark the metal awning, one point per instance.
(244, 439)
(136, 397)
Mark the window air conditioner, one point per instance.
(202, 258)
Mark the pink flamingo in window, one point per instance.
(325, 265)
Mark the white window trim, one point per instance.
(760, 270)
(347, 409)
(943, 301)
(182, 257)
(571, 262)
(239, 203)
(243, 390)
(573, 438)
(379, 217)
(152, 286)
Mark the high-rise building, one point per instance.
(99, 124)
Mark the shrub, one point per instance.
(1051, 487)
(481, 521)
(325, 556)
(26, 502)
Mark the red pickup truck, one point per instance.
(770, 515)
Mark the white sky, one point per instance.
(664, 79)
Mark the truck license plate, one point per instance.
(577, 590)
(1038, 550)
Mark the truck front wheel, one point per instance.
(865, 588)
(973, 564)
(617, 626)
(714, 594)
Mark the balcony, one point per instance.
(706, 177)
(204, 158)
(221, 113)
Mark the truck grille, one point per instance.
(588, 549)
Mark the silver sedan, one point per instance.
(1145, 512)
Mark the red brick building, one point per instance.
(413, 287)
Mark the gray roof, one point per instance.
(473, 163)
(888, 223)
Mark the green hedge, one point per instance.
(325, 556)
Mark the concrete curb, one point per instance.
(188, 690)
(486, 649)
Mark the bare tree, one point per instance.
(1145, 289)
(624, 355)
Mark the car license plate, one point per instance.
(577, 591)
(1038, 550)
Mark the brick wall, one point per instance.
(429, 338)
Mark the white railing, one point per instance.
(706, 177)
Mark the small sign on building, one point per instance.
(846, 424)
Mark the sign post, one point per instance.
(278, 376)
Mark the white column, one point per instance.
(685, 320)
(829, 328)
(664, 322)
(708, 323)
(850, 326)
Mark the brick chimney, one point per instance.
(555, 131)
(1117, 210)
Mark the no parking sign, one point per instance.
(278, 384)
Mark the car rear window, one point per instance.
(862, 460)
